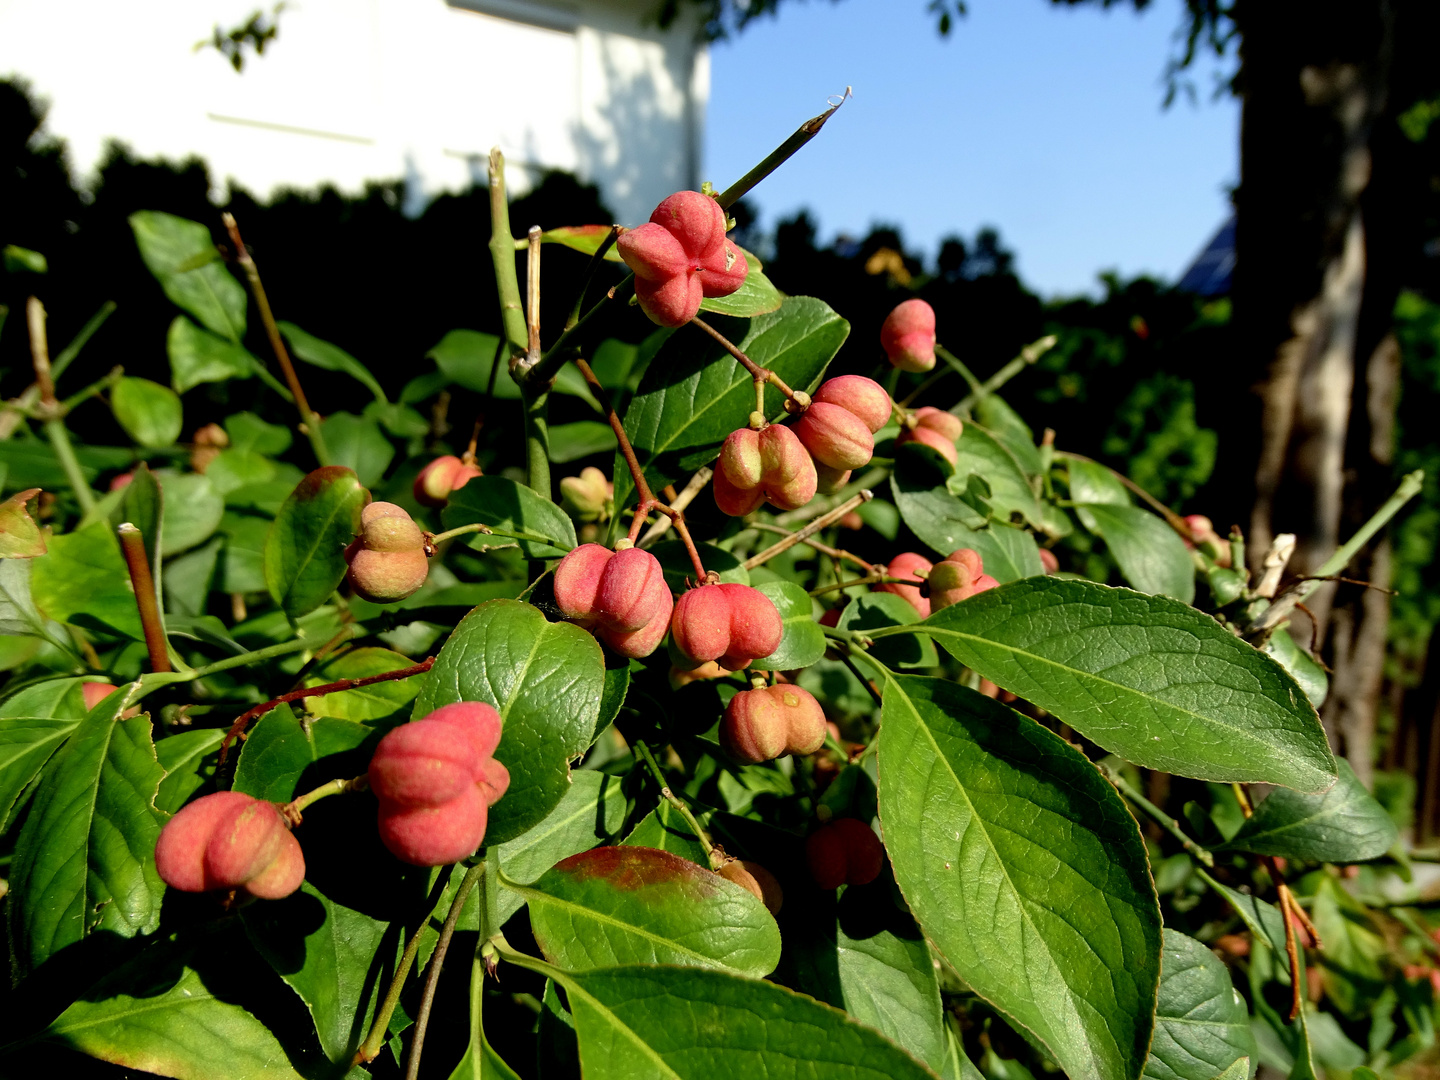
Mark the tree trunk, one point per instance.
(1315, 285)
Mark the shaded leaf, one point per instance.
(545, 679)
(1300, 664)
(481, 1062)
(183, 258)
(628, 905)
(330, 357)
(372, 702)
(979, 453)
(1025, 870)
(83, 580)
(84, 862)
(1202, 1025)
(198, 356)
(1091, 482)
(569, 442)
(280, 748)
(20, 537)
(186, 758)
(502, 504)
(192, 510)
(1343, 825)
(305, 547)
(150, 413)
(1147, 677)
(757, 296)
(1151, 556)
(803, 642)
(875, 610)
(357, 442)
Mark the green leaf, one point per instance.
(248, 432)
(874, 610)
(545, 679)
(183, 258)
(868, 957)
(757, 296)
(591, 812)
(666, 830)
(305, 547)
(465, 357)
(1300, 664)
(514, 509)
(19, 259)
(326, 952)
(1091, 482)
(242, 562)
(1147, 677)
(1151, 556)
(1354, 962)
(32, 463)
(330, 357)
(1202, 1025)
(481, 1062)
(981, 454)
(946, 524)
(158, 1014)
(373, 702)
(570, 442)
(634, 905)
(1003, 422)
(188, 580)
(18, 614)
(693, 394)
(675, 564)
(193, 509)
(149, 413)
(358, 443)
(803, 642)
(84, 862)
(83, 580)
(1262, 919)
(1342, 825)
(583, 238)
(280, 748)
(663, 1023)
(20, 537)
(1025, 869)
(185, 757)
(198, 356)
(33, 724)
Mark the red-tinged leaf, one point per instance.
(20, 537)
(305, 549)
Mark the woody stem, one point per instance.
(759, 374)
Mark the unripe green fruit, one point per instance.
(909, 566)
(844, 852)
(728, 622)
(908, 336)
(229, 840)
(588, 495)
(764, 724)
(388, 560)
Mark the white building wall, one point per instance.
(358, 90)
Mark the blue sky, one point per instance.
(1043, 121)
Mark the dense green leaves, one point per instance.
(664, 1023)
(1151, 556)
(183, 258)
(1201, 1024)
(1025, 870)
(803, 642)
(280, 748)
(875, 610)
(305, 548)
(546, 681)
(1147, 677)
(356, 442)
(84, 861)
(516, 511)
(372, 702)
(185, 757)
(693, 395)
(33, 725)
(158, 1014)
(149, 413)
(83, 580)
(979, 453)
(1343, 825)
(635, 905)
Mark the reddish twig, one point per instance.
(132, 543)
(237, 729)
(795, 401)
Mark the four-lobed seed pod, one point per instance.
(387, 560)
(230, 840)
(619, 596)
(958, 576)
(909, 567)
(936, 429)
(435, 779)
(680, 256)
(770, 722)
(845, 851)
(442, 477)
(758, 465)
(908, 336)
(728, 622)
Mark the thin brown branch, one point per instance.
(237, 729)
(839, 554)
(758, 373)
(437, 960)
(40, 351)
(809, 530)
(132, 543)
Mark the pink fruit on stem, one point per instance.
(938, 420)
(440, 478)
(1049, 561)
(620, 596)
(728, 622)
(909, 566)
(767, 723)
(758, 465)
(908, 336)
(864, 397)
(934, 428)
(435, 835)
(229, 840)
(959, 576)
(682, 256)
(95, 692)
(388, 560)
(931, 438)
(835, 436)
(844, 852)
